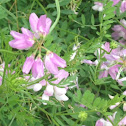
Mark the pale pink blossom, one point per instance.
(115, 2)
(38, 68)
(28, 64)
(98, 6)
(40, 26)
(123, 6)
(103, 122)
(62, 74)
(22, 40)
(53, 61)
(122, 122)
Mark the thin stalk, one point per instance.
(58, 16)
(41, 6)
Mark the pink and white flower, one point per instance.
(98, 6)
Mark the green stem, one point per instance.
(73, 33)
(58, 16)
(14, 52)
(42, 7)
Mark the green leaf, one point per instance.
(83, 19)
(4, 1)
(108, 22)
(92, 19)
(3, 13)
(67, 12)
(111, 15)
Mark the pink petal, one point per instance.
(19, 44)
(38, 68)
(49, 90)
(28, 64)
(27, 32)
(41, 26)
(37, 87)
(16, 35)
(48, 24)
(33, 20)
(50, 66)
(58, 60)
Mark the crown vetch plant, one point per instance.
(63, 63)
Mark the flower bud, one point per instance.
(113, 45)
(82, 116)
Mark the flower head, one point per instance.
(40, 25)
(22, 40)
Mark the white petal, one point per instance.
(60, 91)
(95, 7)
(37, 87)
(61, 97)
(49, 90)
(45, 97)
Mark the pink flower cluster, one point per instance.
(120, 32)
(52, 62)
(50, 90)
(26, 39)
(102, 122)
(99, 6)
(115, 62)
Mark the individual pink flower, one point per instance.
(123, 6)
(103, 122)
(22, 40)
(40, 25)
(122, 122)
(98, 6)
(112, 71)
(115, 2)
(38, 68)
(62, 74)
(53, 61)
(49, 90)
(28, 64)
(119, 31)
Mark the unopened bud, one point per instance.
(82, 116)
(113, 45)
